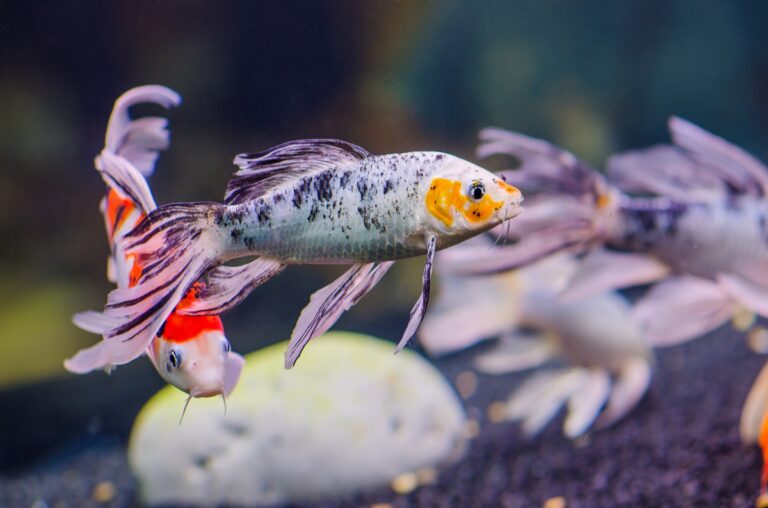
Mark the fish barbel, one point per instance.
(316, 201)
(189, 352)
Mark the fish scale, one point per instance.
(338, 218)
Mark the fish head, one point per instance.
(193, 354)
(463, 199)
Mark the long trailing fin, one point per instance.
(750, 295)
(119, 174)
(543, 166)
(515, 352)
(420, 307)
(227, 286)
(585, 404)
(741, 171)
(602, 270)
(140, 140)
(289, 161)
(175, 247)
(681, 308)
(663, 171)
(327, 304)
(629, 387)
(754, 411)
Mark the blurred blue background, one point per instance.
(593, 76)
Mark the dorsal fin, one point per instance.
(289, 161)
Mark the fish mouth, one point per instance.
(207, 392)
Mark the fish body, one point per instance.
(189, 352)
(302, 202)
(605, 355)
(372, 210)
(697, 233)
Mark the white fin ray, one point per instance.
(227, 286)
(139, 141)
(585, 404)
(602, 270)
(420, 308)
(754, 411)
(632, 382)
(552, 399)
(515, 353)
(751, 296)
(260, 172)
(739, 169)
(327, 304)
(680, 309)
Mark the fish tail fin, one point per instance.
(171, 248)
(140, 140)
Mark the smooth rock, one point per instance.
(349, 416)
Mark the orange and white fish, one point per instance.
(316, 201)
(189, 352)
(753, 426)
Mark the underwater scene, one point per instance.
(384, 254)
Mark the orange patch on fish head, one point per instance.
(447, 198)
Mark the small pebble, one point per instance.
(743, 319)
(426, 476)
(497, 412)
(555, 502)
(757, 339)
(405, 483)
(103, 492)
(381, 505)
(466, 384)
(471, 429)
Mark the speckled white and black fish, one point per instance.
(311, 201)
(700, 232)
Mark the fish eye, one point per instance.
(174, 358)
(477, 191)
(226, 346)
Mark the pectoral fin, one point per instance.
(680, 309)
(753, 297)
(229, 285)
(327, 304)
(602, 271)
(233, 367)
(515, 353)
(420, 308)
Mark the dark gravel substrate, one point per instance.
(680, 447)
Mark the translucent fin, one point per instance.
(139, 141)
(515, 353)
(664, 171)
(327, 304)
(585, 404)
(175, 252)
(289, 161)
(120, 175)
(227, 286)
(680, 309)
(754, 410)
(420, 308)
(551, 400)
(628, 388)
(544, 166)
(751, 296)
(529, 392)
(602, 271)
(741, 171)
(97, 357)
(233, 367)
